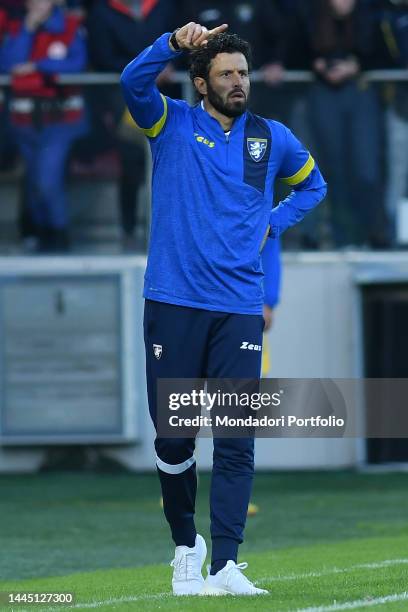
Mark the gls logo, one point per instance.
(204, 140)
(250, 347)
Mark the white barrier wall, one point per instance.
(317, 333)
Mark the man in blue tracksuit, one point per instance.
(214, 166)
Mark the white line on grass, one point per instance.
(359, 603)
(334, 570)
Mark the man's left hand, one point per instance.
(268, 317)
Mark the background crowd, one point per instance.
(357, 128)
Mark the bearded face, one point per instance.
(227, 87)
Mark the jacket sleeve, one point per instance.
(299, 170)
(271, 263)
(147, 106)
(16, 49)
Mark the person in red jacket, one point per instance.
(46, 118)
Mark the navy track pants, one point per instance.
(202, 344)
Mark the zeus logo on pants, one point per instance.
(250, 347)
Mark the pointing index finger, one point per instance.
(218, 30)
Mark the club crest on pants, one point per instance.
(157, 350)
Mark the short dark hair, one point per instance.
(200, 60)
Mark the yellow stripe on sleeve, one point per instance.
(158, 126)
(301, 174)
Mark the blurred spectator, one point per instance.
(8, 152)
(118, 31)
(393, 25)
(336, 39)
(11, 11)
(46, 118)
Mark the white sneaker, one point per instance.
(230, 581)
(187, 564)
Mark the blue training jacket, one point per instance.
(212, 195)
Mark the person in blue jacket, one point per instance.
(214, 167)
(45, 118)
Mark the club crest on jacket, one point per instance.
(257, 148)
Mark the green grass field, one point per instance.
(321, 541)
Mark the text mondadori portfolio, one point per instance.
(253, 421)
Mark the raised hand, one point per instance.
(193, 35)
(38, 13)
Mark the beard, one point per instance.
(232, 108)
